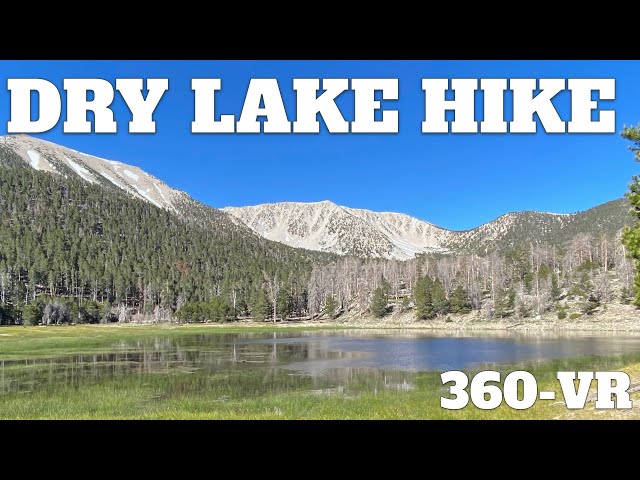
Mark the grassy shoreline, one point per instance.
(48, 341)
(180, 395)
(19, 342)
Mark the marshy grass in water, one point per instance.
(230, 373)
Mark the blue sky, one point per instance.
(455, 181)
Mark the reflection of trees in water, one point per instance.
(356, 380)
(180, 355)
(249, 364)
(226, 365)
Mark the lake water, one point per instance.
(241, 365)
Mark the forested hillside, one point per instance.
(525, 280)
(553, 229)
(84, 239)
(85, 247)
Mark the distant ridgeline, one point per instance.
(325, 226)
(84, 239)
(522, 228)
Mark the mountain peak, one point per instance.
(289, 204)
(326, 226)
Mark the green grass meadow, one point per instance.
(198, 394)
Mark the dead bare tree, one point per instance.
(274, 290)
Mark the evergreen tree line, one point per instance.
(94, 254)
(631, 236)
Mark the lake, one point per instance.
(242, 365)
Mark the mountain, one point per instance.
(76, 226)
(328, 227)
(323, 226)
(87, 239)
(531, 227)
(55, 159)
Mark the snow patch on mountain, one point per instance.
(131, 175)
(145, 194)
(47, 156)
(34, 158)
(111, 179)
(80, 170)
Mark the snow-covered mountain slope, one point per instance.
(56, 159)
(325, 226)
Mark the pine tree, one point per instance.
(330, 307)
(224, 310)
(631, 237)
(379, 302)
(8, 315)
(459, 301)
(261, 307)
(284, 304)
(583, 286)
(506, 303)
(439, 298)
(625, 296)
(423, 298)
(555, 288)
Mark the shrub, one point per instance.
(8, 315)
(590, 306)
(562, 312)
(32, 313)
